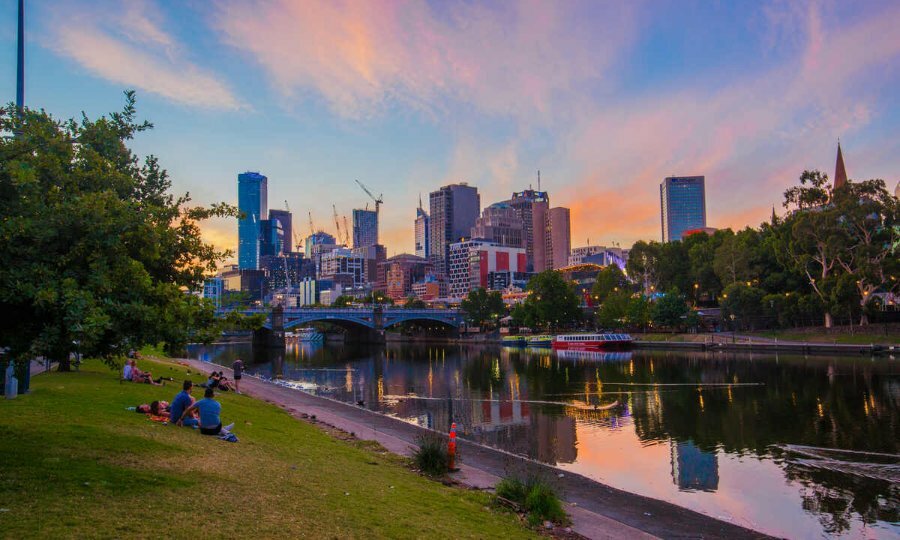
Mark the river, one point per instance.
(800, 447)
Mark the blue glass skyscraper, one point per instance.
(253, 204)
(683, 205)
(365, 228)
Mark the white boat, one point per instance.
(591, 342)
(310, 335)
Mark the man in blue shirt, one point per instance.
(182, 402)
(209, 409)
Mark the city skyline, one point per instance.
(407, 100)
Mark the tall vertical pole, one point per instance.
(20, 80)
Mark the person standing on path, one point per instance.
(238, 368)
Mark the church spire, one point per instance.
(840, 172)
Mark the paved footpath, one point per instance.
(597, 511)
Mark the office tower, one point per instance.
(400, 272)
(271, 239)
(683, 205)
(317, 243)
(372, 257)
(560, 237)
(284, 217)
(531, 206)
(473, 261)
(454, 209)
(253, 204)
(365, 228)
(500, 223)
(423, 232)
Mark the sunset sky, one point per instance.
(605, 99)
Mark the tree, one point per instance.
(702, 253)
(614, 310)
(812, 238)
(552, 301)
(642, 264)
(414, 303)
(736, 258)
(743, 305)
(609, 280)
(97, 255)
(481, 306)
(342, 301)
(638, 312)
(669, 310)
(377, 297)
(870, 217)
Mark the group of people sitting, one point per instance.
(186, 411)
(203, 414)
(131, 373)
(217, 380)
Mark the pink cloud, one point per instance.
(126, 44)
(515, 59)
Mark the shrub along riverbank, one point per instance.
(77, 464)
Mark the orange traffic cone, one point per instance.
(451, 449)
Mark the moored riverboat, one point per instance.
(513, 341)
(310, 335)
(591, 342)
(544, 341)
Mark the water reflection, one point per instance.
(707, 431)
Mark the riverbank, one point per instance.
(77, 464)
(872, 345)
(597, 510)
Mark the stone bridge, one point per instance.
(366, 323)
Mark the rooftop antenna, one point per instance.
(539, 179)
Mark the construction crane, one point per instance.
(312, 226)
(337, 223)
(378, 200)
(346, 233)
(297, 241)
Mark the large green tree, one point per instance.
(669, 310)
(609, 280)
(482, 306)
(98, 255)
(552, 301)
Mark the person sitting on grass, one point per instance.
(127, 370)
(181, 403)
(139, 376)
(209, 409)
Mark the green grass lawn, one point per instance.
(76, 464)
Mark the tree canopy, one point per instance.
(552, 302)
(98, 255)
(482, 306)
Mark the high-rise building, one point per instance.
(453, 211)
(343, 267)
(423, 232)
(472, 262)
(271, 239)
(532, 207)
(683, 205)
(400, 272)
(365, 228)
(253, 205)
(560, 237)
(317, 243)
(285, 219)
(500, 223)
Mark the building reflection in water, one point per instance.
(692, 468)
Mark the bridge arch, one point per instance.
(418, 318)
